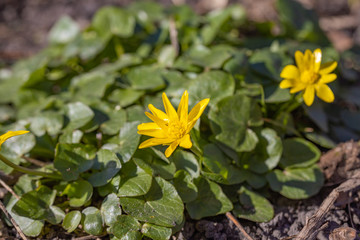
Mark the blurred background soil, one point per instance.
(24, 24)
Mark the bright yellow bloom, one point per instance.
(10, 134)
(309, 76)
(171, 128)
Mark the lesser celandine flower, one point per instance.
(310, 76)
(173, 127)
(10, 134)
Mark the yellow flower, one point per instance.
(173, 127)
(309, 76)
(10, 134)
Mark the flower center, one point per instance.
(310, 77)
(176, 129)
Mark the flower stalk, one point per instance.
(28, 170)
(11, 134)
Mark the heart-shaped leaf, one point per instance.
(210, 201)
(110, 209)
(297, 183)
(79, 192)
(92, 221)
(71, 221)
(253, 206)
(161, 205)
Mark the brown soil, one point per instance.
(24, 24)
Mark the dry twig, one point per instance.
(34, 161)
(314, 222)
(244, 234)
(88, 237)
(174, 35)
(9, 189)
(2, 207)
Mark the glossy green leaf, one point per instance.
(134, 181)
(113, 20)
(79, 115)
(110, 209)
(217, 163)
(214, 85)
(267, 152)
(71, 221)
(126, 143)
(73, 159)
(111, 187)
(115, 122)
(253, 206)
(64, 30)
(161, 205)
(56, 216)
(210, 201)
(50, 122)
(299, 153)
(36, 204)
(92, 221)
(297, 183)
(231, 125)
(30, 227)
(156, 232)
(150, 161)
(320, 139)
(71, 136)
(78, 192)
(167, 56)
(124, 227)
(146, 78)
(125, 97)
(91, 85)
(108, 165)
(255, 181)
(186, 161)
(210, 58)
(185, 186)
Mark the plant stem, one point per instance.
(291, 105)
(195, 151)
(29, 171)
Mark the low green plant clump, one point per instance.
(84, 96)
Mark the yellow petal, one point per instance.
(158, 113)
(308, 60)
(155, 141)
(196, 112)
(317, 59)
(185, 142)
(171, 148)
(328, 67)
(327, 78)
(158, 133)
(199, 108)
(299, 59)
(297, 87)
(324, 93)
(10, 134)
(148, 126)
(290, 72)
(161, 123)
(182, 110)
(169, 109)
(286, 83)
(309, 95)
